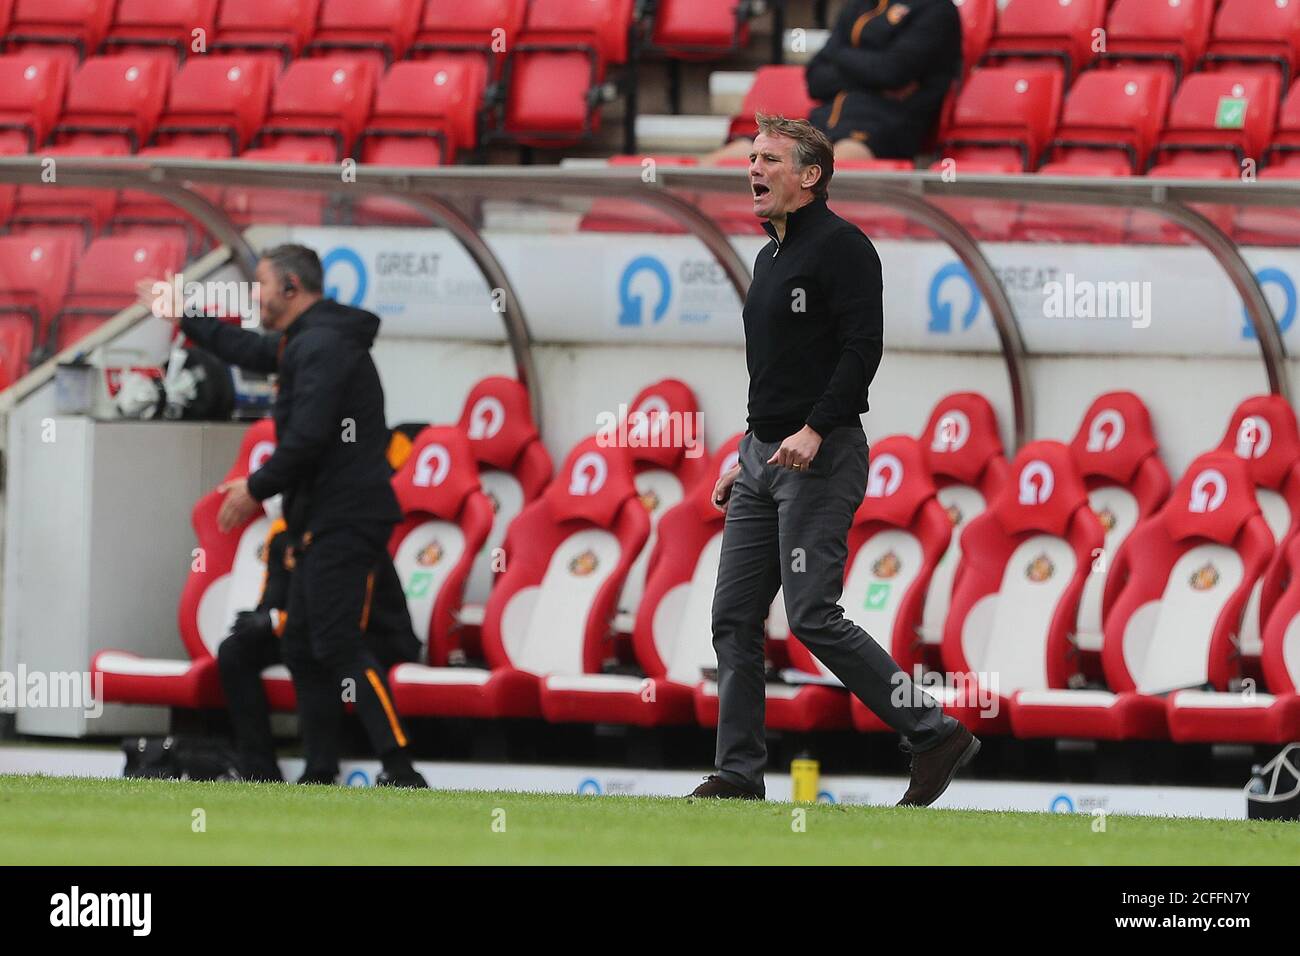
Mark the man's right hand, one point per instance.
(156, 296)
(722, 490)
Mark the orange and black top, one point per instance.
(884, 72)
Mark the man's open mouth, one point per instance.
(759, 190)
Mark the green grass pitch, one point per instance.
(59, 820)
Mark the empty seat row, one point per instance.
(50, 298)
(547, 60)
(1172, 38)
(1075, 565)
(220, 106)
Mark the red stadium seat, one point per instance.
(1256, 34)
(176, 28)
(32, 87)
(733, 213)
(567, 555)
(624, 215)
(876, 220)
(1251, 716)
(965, 459)
(1116, 453)
(1109, 125)
(1286, 140)
(1217, 122)
(1165, 37)
(34, 275)
(105, 281)
(1264, 433)
(16, 347)
(315, 104)
(1276, 225)
(1004, 115)
(376, 31)
(477, 32)
(277, 29)
(1059, 30)
(253, 205)
(1176, 593)
(446, 519)
(215, 106)
(424, 113)
(1111, 116)
(559, 64)
(69, 29)
(113, 103)
(514, 466)
(216, 101)
(666, 445)
(699, 29)
(1016, 596)
(1072, 222)
(780, 90)
(978, 17)
(673, 635)
(228, 580)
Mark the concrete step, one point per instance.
(658, 133)
(801, 44)
(727, 89)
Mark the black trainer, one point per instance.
(714, 787)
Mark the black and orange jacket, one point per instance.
(884, 72)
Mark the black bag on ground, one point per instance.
(178, 758)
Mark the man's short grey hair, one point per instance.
(301, 261)
(811, 147)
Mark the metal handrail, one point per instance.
(915, 193)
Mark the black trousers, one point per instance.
(384, 639)
(790, 529)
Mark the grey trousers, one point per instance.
(790, 528)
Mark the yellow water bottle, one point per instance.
(805, 777)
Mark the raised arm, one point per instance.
(249, 350)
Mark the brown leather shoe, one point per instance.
(934, 769)
(717, 788)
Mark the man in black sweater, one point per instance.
(330, 465)
(813, 341)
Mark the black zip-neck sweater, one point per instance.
(814, 325)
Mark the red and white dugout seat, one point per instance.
(1016, 596)
(1115, 451)
(446, 520)
(1252, 716)
(1178, 587)
(898, 537)
(673, 635)
(1263, 433)
(668, 456)
(965, 459)
(566, 558)
(226, 577)
(513, 469)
